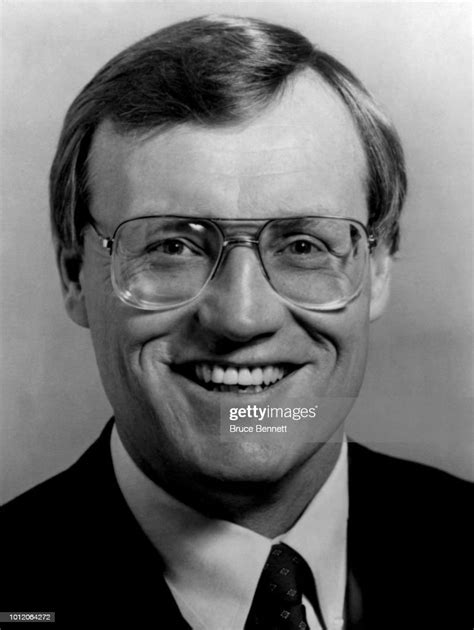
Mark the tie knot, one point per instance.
(277, 604)
(285, 575)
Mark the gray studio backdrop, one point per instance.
(417, 397)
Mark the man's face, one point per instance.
(301, 156)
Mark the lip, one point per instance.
(210, 402)
(188, 371)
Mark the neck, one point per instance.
(270, 509)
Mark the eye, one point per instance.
(173, 247)
(300, 251)
(303, 247)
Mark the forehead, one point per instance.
(300, 155)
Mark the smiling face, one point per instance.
(164, 371)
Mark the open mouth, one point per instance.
(237, 379)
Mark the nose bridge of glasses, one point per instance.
(235, 233)
(243, 240)
(233, 242)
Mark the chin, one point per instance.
(249, 462)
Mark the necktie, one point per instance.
(277, 604)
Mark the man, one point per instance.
(225, 203)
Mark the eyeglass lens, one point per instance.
(161, 262)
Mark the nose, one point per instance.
(239, 304)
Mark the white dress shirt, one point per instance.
(212, 567)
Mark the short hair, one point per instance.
(215, 71)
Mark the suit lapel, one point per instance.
(129, 569)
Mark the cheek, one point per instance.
(132, 347)
(108, 322)
(98, 291)
(344, 336)
(352, 357)
(352, 346)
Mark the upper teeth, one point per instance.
(238, 376)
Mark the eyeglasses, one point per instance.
(162, 262)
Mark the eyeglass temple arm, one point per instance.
(105, 241)
(372, 240)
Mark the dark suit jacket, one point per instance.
(72, 546)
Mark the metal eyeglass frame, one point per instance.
(107, 242)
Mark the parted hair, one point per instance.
(214, 71)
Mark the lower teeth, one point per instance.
(249, 389)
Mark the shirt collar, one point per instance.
(213, 566)
(320, 536)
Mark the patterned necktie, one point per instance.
(277, 604)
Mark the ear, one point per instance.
(380, 274)
(70, 266)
